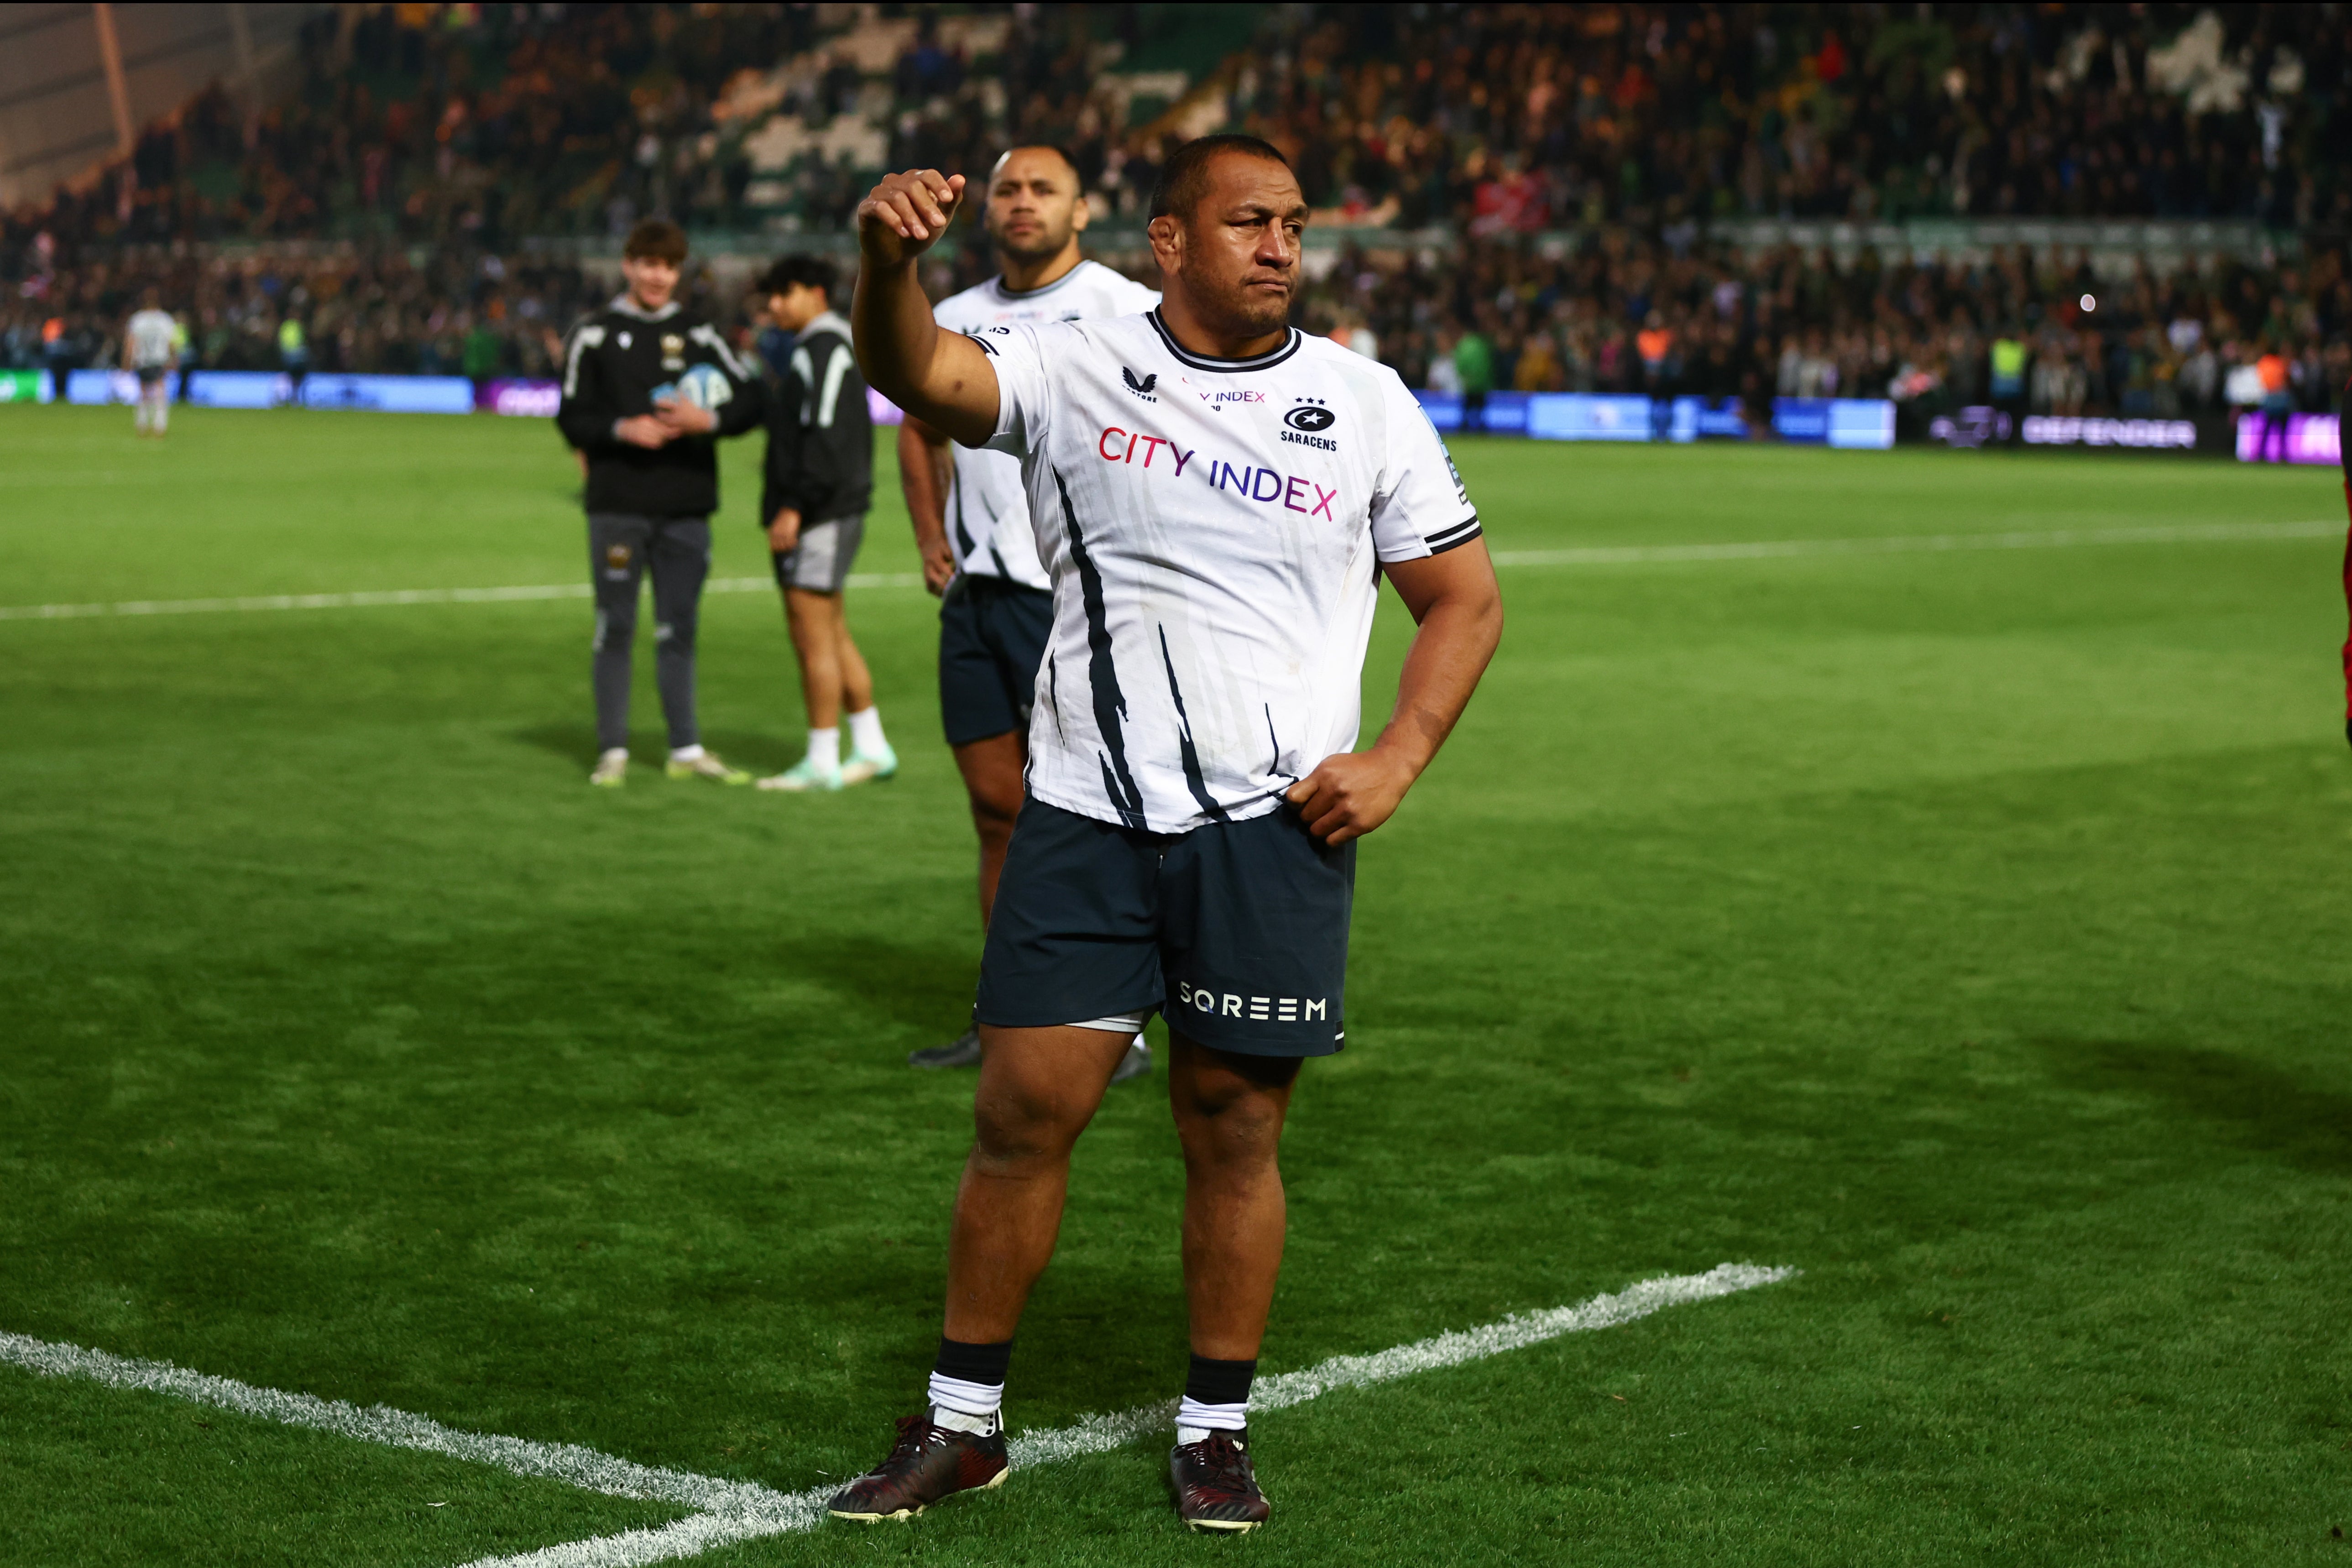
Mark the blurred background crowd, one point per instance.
(2114, 208)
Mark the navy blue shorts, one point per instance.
(992, 638)
(1237, 932)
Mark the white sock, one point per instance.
(609, 752)
(686, 753)
(163, 418)
(1195, 1420)
(824, 748)
(865, 732)
(962, 1407)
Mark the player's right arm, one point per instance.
(941, 378)
(925, 470)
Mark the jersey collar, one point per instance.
(825, 322)
(1185, 356)
(623, 305)
(1016, 297)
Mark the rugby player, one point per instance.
(150, 350)
(653, 483)
(1216, 497)
(972, 520)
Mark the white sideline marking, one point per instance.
(728, 1511)
(1930, 544)
(367, 600)
(1590, 555)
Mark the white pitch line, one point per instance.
(371, 599)
(1912, 543)
(1589, 556)
(731, 1511)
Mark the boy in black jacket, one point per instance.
(647, 385)
(820, 480)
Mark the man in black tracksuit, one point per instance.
(647, 385)
(819, 483)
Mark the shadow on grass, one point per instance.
(914, 987)
(2243, 1102)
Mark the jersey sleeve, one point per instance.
(1419, 507)
(1023, 391)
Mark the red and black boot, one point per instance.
(1216, 1489)
(929, 1463)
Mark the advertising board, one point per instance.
(27, 386)
(1853, 424)
(96, 386)
(2307, 438)
(1590, 416)
(389, 394)
(520, 399)
(238, 388)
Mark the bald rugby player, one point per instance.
(972, 520)
(1215, 497)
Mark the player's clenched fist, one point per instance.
(905, 214)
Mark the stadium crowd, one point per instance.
(1578, 156)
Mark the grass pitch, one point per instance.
(1966, 929)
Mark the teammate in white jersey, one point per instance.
(1215, 500)
(150, 350)
(971, 518)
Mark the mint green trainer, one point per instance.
(805, 776)
(862, 766)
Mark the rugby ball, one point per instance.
(702, 385)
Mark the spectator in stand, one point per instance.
(1473, 368)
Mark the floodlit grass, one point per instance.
(1967, 930)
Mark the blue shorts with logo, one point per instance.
(1237, 932)
(992, 638)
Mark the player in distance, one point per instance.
(819, 482)
(1216, 497)
(647, 385)
(972, 520)
(150, 350)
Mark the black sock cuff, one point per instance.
(1219, 1381)
(974, 1363)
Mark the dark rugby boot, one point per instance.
(929, 1463)
(1215, 1487)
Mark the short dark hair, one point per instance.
(1184, 178)
(1068, 162)
(657, 239)
(807, 271)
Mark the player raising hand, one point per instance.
(1214, 498)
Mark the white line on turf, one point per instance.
(370, 599)
(728, 1511)
(1912, 543)
(1588, 555)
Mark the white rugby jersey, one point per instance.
(988, 515)
(153, 338)
(1211, 529)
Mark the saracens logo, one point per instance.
(1141, 385)
(1310, 416)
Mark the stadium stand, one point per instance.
(1723, 201)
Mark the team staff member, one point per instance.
(652, 485)
(819, 483)
(1217, 497)
(972, 520)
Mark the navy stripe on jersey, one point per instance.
(1201, 362)
(1102, 674)
(1194, 780)
(1460, 533)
